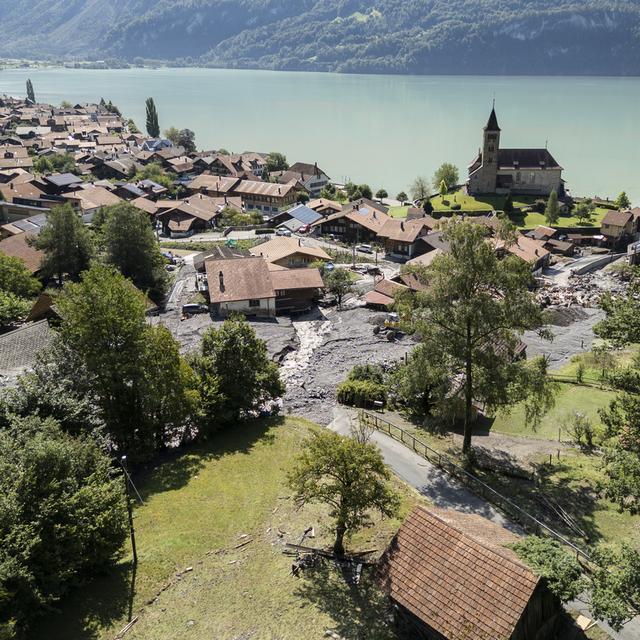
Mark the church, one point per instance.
(532, 172)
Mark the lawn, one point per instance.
(534, 219)
(399, 212)
(197, 509)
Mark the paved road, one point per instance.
(430, 481)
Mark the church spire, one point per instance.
(492, 123)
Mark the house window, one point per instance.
(254, 303)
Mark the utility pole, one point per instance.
(123, 463)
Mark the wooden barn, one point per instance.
(451, 576)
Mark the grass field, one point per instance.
(398, 212)
(533, 219)
(196, 509)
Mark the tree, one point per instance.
(401, 197)
(621, 325)
(552, 211)
(172, 134)
(66, 242)
(622, 469)
(31, 96)
(57, 162)
(471, 317)
(16, 278)
(420, 188)
(13, 309)
(153, 128)
(381, 194)
(228, 355)
(277, 162)
(154, 171)
(584, 211)
(133, 370)
(63, 516)
(427, 207)
(338, 282)
(132, 126)
(350, 477)
(302, 197)
(448, 173)
(622, 201)
(187, 139)
(365, 191)
(507, 207)
(443, 189)
(130, 245)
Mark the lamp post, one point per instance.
(123, 463)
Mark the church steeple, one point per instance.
(492, 123)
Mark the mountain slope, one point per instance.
(382, 36)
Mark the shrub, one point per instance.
(581, 430)
(361, 393)
(445, 202)
(456, 207)
(367, 372)
(540, 205)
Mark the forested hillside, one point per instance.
(395, 36)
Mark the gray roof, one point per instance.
(62, 179)
(304, 214)
(18, 349)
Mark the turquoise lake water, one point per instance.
(384, 130)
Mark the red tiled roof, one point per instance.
(451, 571)
(18, 247)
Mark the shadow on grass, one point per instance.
(86, 611)
(359, 611)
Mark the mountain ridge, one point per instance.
(524, 37)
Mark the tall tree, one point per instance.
(153, 127)
(338, 283)
(231, 354)
(471, 317)
(130, 244)
(420, 188)
(552, 211)
(62, 517)
(447, 172)
(173, 134)
(133, 370)
(381, 194)
(66, 242)
(31, 96)
(187, 139)
(622, 201)
(348, 476)
(16, 278)
(277, 161)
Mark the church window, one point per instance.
(533, 177)
(518, 177)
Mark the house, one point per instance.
(267, 197)
(59, 183)
(290, 253)
(18, 247)
(19, 348)
(400, 236)
(313, 179)
(32, 225)
(382, 295)
(357, 222)
(156, 144)
(146, 205)
(300, 214)
(213, 186)
(128, 191)
(324, 207)
(91, 198)
(452, 575)
(241, 285)
(182, 218)
(531, 251)
(296, 289)
(519, 171)
(152, 189)
(617, 226)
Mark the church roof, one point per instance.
(492, 123)
(526, 159)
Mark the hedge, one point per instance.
(361, 393)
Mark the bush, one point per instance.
(446, 203)
(367, 373)
(456, 207)
(361, 393)
(540, 205)
(581, 430)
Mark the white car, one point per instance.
(364, 248)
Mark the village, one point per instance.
(330, 276)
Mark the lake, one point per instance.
(384, 130)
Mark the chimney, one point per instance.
(401, 225)
(315, 166)
(279, 191)
(299, 242)
(221, 278)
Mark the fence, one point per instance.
(528, 522)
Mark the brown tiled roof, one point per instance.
(243, 279)
(617, 218)
(18, 247)
(213, 183)
(145, 204)
(543, 233)
(269, 189)
(403, 230)
(366, 217)
(321, 204)
(528, 249)
(289, 279)
(452, 571)
(281, 247)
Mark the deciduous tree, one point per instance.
(66, 242)
(381, 194)
(401, 197)
(187, 139)
(277, 161)
(622, 201)
(420, 188)
(172, 134)
(552, 211)
(338, 282)
(350, 477)
(16, 278)
(448, 173)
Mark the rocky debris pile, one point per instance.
(581, 290)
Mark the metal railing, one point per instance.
(528, 522)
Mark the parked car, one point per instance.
(364, 248)
(304, 228)
(283, 232)
(193, 308)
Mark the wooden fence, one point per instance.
(529, 523)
